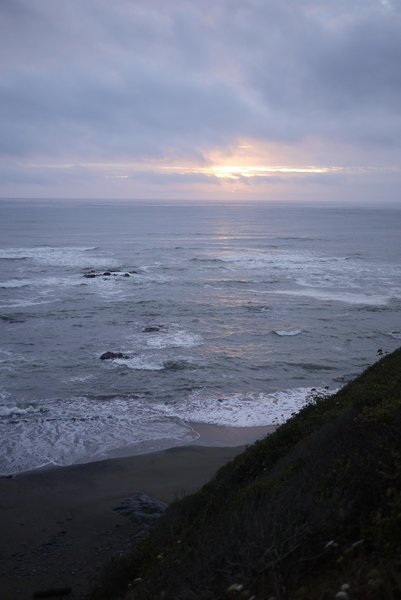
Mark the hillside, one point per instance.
(311, 512)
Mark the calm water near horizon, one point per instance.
(224, 314)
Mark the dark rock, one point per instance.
(114, 273)
(11, 319)
(111, 355)
(151, 329)
(52, 593)
(141, 508)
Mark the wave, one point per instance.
(14, 284)
(395, 334)
(83, 429)
(41, 282)
(256, 308)
(179, 365)
(177, 339)
(14, 257)
(144, 363)
(312, 367)
(241, 410)
(81, 378)
(140, 363)
(10, 410)
(346, 297)
(4, 395)
(24, 303)
(16, 318)
(288, 332)
(7, 355)
(208, 260)
(57, 256)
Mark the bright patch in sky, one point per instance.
(255, 99)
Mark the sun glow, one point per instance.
(233, 167)
(122, 170)
(248, 171)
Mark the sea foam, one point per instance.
(82, 429)
(241, 410)
(61, 256)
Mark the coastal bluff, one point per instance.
(311, 512)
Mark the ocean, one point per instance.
(225, 314)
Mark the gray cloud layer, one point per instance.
(102, 80)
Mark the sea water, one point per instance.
(231, 315)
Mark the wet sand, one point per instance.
(58, 527)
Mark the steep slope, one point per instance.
(311, 512)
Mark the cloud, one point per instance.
(140, 110)
(97, 80)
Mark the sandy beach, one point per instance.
(58, 526)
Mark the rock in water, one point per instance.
(111, 355)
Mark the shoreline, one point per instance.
(214, 436)
(59, 528)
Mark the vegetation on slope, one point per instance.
(311, 512)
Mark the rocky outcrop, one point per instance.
(91, 274)
(111, 355)
(141, 509)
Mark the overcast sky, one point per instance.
(252, 99)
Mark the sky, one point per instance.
(279, 100)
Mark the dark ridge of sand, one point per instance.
(58, 527)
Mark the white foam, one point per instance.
(256, 259)
(151, 363)
(336, 296)
(62, 256)
(6, 355)
(10, 359)
(15, 283)
(119, 286)
(395, 334)
(7, 410)
(41, 282)
(150, 277)
(82, 429)
(81, 378)
(241, 410)
(140, 363)
(24, 303)
(248, 260)
(285, 333)
(4, 395)
(176, 339)
(322, 276)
